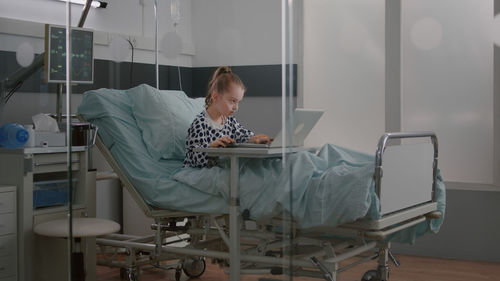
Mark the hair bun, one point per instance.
(226, 69)
(223, 70)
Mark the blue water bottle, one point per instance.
(13, 135)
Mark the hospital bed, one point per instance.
(409, 201)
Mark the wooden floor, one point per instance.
(412, 269)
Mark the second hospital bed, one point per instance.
(351, 204)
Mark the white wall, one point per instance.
(236, 32)
(127, 18)
(344, 71)
(447, 84)
(121, 16)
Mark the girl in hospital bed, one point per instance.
(216, 126)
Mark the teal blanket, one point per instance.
(331, 187)
(327, 188)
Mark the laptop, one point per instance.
(304, 121)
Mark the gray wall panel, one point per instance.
(470, 231)
(260, 80)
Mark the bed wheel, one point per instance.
(123, 273)
(194, 267)
(129, 274)
(371, 275)
(178, 274)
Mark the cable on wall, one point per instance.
(131, 62)
(180, 77)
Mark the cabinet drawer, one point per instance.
(54, 162)
(7, 223)
(7, 200)
(7, 267)
(11, 278)
(8, 245)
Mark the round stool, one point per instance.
(82, 227)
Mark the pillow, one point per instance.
(106, 103)
(164, 117)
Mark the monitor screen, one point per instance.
(82, 49)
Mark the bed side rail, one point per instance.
(405, 167)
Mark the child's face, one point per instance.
(227, 102)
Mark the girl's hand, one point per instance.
(221, 142)
(260, 139)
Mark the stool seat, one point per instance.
(82, 227)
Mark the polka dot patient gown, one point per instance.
(204, 131)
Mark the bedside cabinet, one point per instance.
(38, 173)
(8, 233)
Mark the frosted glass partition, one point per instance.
(447, 82)
(344, 71)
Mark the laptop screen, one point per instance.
(304, 121)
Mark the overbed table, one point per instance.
(234, 154)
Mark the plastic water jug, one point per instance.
(13, 135)
(31, 132)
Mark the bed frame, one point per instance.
(407, 198)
